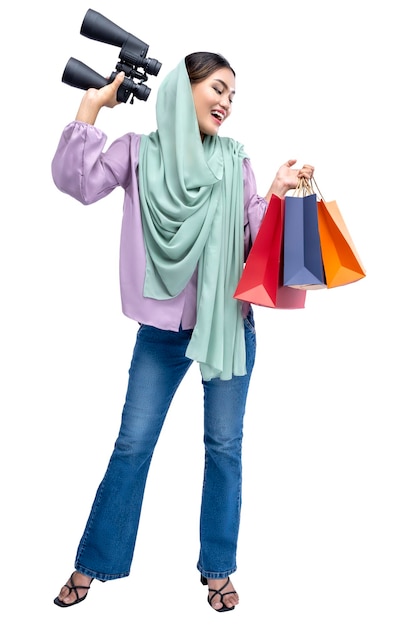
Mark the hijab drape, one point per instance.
(191, 194)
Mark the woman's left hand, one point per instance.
(288, 178)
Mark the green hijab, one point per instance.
(191, 195)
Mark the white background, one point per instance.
(329, 516)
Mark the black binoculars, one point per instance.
(132, 56)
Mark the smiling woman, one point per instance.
(213, 91)
(191, 213)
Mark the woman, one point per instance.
(191, 211)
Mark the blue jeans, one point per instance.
(158, 366)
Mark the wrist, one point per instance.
(278, 189)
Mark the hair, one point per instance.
(201, 64)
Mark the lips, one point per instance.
(218, 115)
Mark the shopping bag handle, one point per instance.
(314, 184)
(303, 188)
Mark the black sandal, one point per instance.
(71, 588)
(218, 592)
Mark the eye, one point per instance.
(217, 90)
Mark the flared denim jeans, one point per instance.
(158, 366)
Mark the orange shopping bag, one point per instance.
(261, 280)
(341, 261)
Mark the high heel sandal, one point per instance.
(71, 588)
(218, 592)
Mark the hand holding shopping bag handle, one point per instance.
(288, 178)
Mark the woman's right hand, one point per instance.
(94, 99)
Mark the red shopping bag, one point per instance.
(261, 280)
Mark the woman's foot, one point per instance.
(222, 595)
(74, 591)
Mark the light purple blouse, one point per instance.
(82, 169)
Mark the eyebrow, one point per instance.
(225, 85)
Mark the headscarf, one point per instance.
(191, 194)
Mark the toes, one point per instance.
(76, 588)
(65, 596)
(64, 593)
(224, 596)
(231, 600)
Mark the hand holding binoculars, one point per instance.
(132, 56)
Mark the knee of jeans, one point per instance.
(133, 451)
(224, 443)
(136, 439)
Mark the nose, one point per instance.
(225, 102)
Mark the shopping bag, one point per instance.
(261, 279)
(341, 261)
(302, 261)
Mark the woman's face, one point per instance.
(213, 100)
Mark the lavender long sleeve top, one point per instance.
(83, 169)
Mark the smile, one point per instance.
(218, 115)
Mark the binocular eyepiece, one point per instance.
(132, 56)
